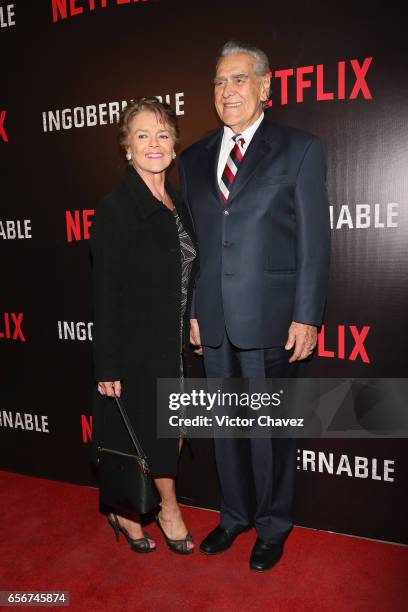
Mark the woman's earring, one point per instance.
(128, 156)
(174, 155)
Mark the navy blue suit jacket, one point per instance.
(264, 258)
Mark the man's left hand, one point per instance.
(303, 338)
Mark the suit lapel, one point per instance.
(258, 149)
(213, 147)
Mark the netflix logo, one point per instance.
(86, 426)
(78, 223)
(349, 75)
(63, 9)
(348, 343)
(3, 134)
(10, 326)
(7, 16)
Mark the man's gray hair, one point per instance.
(261, 64)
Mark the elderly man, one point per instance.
(258, 199)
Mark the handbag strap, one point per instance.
(130, 429)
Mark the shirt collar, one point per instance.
(246, 134)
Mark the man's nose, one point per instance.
(228, 89)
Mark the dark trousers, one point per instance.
(256, 475)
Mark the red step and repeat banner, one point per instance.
(339, 71)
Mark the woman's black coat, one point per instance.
(137, 296)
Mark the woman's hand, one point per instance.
(195, 339)
(110, 388)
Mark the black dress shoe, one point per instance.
(265, 555)
(218, 540)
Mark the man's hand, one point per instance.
(304, 338)
(110, 388)
(195, 339)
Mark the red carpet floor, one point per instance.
(52, 538)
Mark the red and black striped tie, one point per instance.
(231, 167)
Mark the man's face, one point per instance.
(238, 91)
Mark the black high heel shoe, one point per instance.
(177, 546)
(139, 545)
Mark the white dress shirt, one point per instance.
(228, 143)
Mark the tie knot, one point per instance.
(239, 139)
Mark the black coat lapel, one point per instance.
(182, 211)
(148, 205)
(141, 194)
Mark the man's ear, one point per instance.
(265, 87)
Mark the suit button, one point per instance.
(226, 243)
(226, 212)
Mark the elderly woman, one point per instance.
(143, 268)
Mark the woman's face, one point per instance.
(150, 143)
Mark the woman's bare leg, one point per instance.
(170, 515)
(134, 529)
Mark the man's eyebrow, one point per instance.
(242, 75)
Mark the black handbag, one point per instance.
(125, 483)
